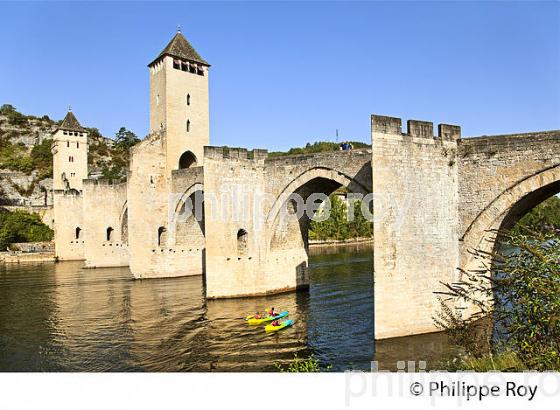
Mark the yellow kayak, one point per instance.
(253, 316)
(283, 325)
(252, 321)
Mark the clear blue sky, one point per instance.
(286, 73)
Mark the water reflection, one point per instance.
(60, 317)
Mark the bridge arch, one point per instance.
(123, 218)
(189, 229)
(507, 209)
(314, 180)
(316, 173)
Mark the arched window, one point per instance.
(188, 125)
(110, 234)
(188, 99)
(162, 236)
(242, 238)
(187, 160)
(78, 232)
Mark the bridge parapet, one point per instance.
(382, 124)
(235, 153)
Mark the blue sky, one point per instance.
(284, 74)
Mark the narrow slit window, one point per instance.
(109, 235)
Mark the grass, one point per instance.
(506, 361)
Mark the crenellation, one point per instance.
(237, 153)
(448, 132)
(386, 125)
(420, 129)
(213, 152)
(259, 154)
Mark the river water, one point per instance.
(60, 317)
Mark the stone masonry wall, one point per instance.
(415, 225)
(493, 167)
(274, 257)
(68, 215)
(104, 205)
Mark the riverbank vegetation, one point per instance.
(21, 226)
(339, 226)
(524, 286)
(299, 365)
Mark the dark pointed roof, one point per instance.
(179, 47)
(70, 123)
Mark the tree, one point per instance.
(125, 139)
(521, 293)
(21, 226)
(7, 108)
(339, 226)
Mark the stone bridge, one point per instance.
(261, 244)
(435, 198)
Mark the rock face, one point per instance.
(19, 188)
(19, 134)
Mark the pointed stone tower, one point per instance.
(70, 168)
(179, 102)
(70, 150)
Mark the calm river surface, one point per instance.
(60, 317)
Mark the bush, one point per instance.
(42, 158)
(21, 226)
(521, 293)
(309, 365)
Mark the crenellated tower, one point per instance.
(179, 102)
(70, 150)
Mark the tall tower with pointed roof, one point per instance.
(70, 150)
(179, 102)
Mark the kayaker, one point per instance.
(275, 323)
(272, 313)
(257, 316)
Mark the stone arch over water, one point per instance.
(506, 210)
(288, 226)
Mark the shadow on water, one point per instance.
(60, 317)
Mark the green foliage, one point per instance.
(21, 226)
(524, 286)
(120, 154)
(94, 133)
(338, 226)
(543, 218)
(42, 159)
(297, 365)
(125, 139)
(503, 361)
(319, 146)
(14, 117)
(14, 156)
(17, 158)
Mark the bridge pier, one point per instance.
(415, 226)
